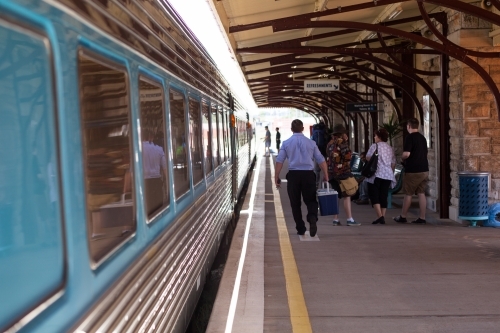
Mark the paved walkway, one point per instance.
(438, 277)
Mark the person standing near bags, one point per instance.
(339, 167)
(301, 153)
(383, 179)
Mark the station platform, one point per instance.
(438, 277)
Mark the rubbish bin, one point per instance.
(473, 202)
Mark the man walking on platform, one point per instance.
(301, 153)
(267, 141)
(416, 171)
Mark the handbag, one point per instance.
(371, 166)
(349, 186)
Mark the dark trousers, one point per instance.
(302, 183)
(154, 194)
(278, 143)
(378, 192)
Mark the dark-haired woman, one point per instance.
(383, 179)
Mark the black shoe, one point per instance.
(301, 233)
(312, 229)
(400, 219)
(419, 221)
(380, 220)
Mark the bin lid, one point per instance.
(473, 173)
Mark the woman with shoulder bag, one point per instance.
(339, 170)
(383, 179)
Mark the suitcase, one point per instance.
(114, 215)
(328, 200)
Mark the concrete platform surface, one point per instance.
(438, 277)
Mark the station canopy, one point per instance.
(367, 47)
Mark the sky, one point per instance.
(198, 16)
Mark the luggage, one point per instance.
(349, 186)
(117, 215)
(328, 200)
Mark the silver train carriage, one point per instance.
(122, 152)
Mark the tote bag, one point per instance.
(370, 167)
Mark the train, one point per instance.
(123, 154)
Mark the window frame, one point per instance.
(118, 64)
(153, 80)
(54, 295)
(198, 99)
(206, 102)
(216, 150)
(184, 93)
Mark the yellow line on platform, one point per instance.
(296, 302)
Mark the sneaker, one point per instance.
(353, 224)
(336, 223)
(301, 233)
(312, 229)
(400, 219)
(419, 221)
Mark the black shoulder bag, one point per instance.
(370, 167)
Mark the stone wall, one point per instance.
(475, 128)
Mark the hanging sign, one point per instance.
(321, 85)
(361, 107)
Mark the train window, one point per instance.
(237, 135)
(31, 231)
(215, 142)
(222, 139)
(179, 145)
(207, 138)
(195, 140)
(104, 109)
(241, 133)
(226, 134)
(155, 172)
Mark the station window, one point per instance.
(155, 172)
(105, 115)
(215, 141)
(207, 138)
(195, 140)
(179, 144)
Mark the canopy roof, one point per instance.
(279, 44)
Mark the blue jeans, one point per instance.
(363, 190)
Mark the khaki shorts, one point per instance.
(415, 183)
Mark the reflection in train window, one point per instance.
(222, 139)
(195, 140)
(215, 142)
(179, 145)
(207, 138)
(156, 195)
(226, 131)
(104, 100)
(32, 251)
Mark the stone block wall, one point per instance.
(475, 129)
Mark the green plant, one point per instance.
(393, 127)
